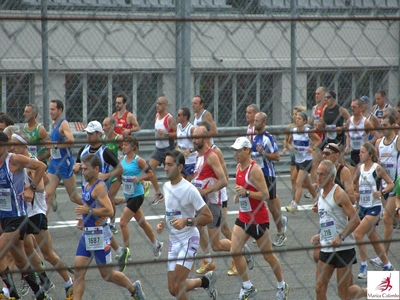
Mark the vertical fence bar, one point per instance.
(45, 65)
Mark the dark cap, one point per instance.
(3, 137)
(332, 93)
(333, 147)
(365, 99)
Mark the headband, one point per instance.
(333, 148)
(20, 138)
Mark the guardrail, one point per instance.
(227, 137)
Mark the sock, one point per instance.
(204, 282)
(388, 265)
(44, 280)
(119, 250)
(247, 284)
(156, 244)
(30, 279)
(364, 263)
(9, 282)
(281, 285)
(68, 283)
(208, 258)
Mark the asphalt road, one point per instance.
(297, 263)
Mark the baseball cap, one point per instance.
(240, 143)
(93, 127)
(365, 99)
(3, 137)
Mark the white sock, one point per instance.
(364, 263)
(208, 258)
(247, 284)
(281, 285)
(119, 250)
(68, 283)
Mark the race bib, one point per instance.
(128, 185)
(244, 204)
(328, 230)
(331, 134)
(32, 149)
(94, 238)
(390, 170)
(355, 142)
(300, 153)
(55, 153)
(258, 158)
(365, 196)
(169, 215)
(5, 200)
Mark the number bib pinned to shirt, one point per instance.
(128, 185)
(258, 158)
(55, 153)
(365, 195)
(169, 215)
(331, 134)
(5, 200)
(244, 204)
(94, 238)
(328, 230)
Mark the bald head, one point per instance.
(200, 131)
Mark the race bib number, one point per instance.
(169, 215)
(258, 158)
(328, 230)
(5, 200)
(55, 153)
(94, 238)
(244, 204)
(355, 143)
(365, 196)
(128, 185)
(331, 134)
(32, 149)
(390, 170)
(300, 153)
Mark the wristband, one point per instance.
(189, 222)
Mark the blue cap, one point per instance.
(365, 99)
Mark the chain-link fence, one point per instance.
(233, 53)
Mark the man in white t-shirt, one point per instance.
(185, 209)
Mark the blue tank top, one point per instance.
(131, 169)
(104, 168)
(91, 221)
(11, 185)
(59, 138)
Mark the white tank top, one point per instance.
(357, 134)
(159, 124)
(185, 142)
(389, 157)
(300, 143)
(332, 221)
(369, 182)
(38, 205)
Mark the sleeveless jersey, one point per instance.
(268, 143)
(131, 169)
(185, 142)
(317, 114)
(379, 112)
(92, 220)
(38, 205)
(199, 119)
(333, 119)
(301, 141)
(251, 211)
(121, 123)
(60, 154)
(250, 133)
(11, 185)
(104, 167)
(357, 133)
(369, 182)
(333, 221)
(204, 177)
(112, 145)
(34, 137)
(163, 125)
(389, 159)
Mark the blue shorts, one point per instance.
(102, 257)
(188, 169)
(62, 168)
(369, 211)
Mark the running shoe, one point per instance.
(212, 278)
(157, 199)
(138, 294)
(285, 221)
(391, 268)
(49, 285)
(233, 271)
(280, 239)
(206, 267)
(245, 294)
(291, 208)
(54, 202)
(307, 195)
(146, 186)
(23, 288)
(376, 262)
(249, 257)
(114, 229)
(282, 293)
(157, 250)
(69, 293)
(363, 272)
(123, 259)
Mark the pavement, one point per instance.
(295, 256)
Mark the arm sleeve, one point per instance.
(110, 158)
(78, 157)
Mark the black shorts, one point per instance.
(339, 259)
(36, 223)
(134, 203)
(354, 157)
(256, 231)
(271, 184)
(305, 165)
(15, 224)
(292, 160)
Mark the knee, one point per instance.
(358, 235)
(123, 222)
(270, 258)
(320, 288)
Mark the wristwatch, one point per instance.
(341, 237)
(247, 193)
(33, 187)
(383, 193)
(90, 212)
(189, 222)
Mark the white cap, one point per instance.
(240, 143)
(93, 127)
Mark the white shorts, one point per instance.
(183, 253)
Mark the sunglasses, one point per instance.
(327, 153)
(328, 97)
